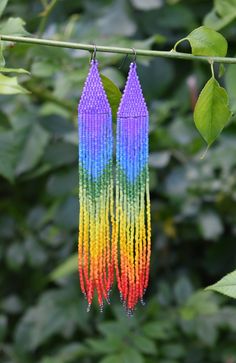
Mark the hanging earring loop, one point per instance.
(134, 55)
(93, 53)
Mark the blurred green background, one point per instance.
(43, 315)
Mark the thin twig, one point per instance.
(100, 48)
(45, 15)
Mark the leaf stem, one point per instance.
(140, 52)
(212, 68)
(204, 153)
(177, 43)
(45, 15)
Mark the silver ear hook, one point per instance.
(135, 55)
(93, 53)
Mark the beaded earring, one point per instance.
(95, 189)
(132, 234)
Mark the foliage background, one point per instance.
(43, 316)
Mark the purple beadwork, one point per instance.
(95, 129)
(132, 128)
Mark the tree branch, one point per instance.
(141, 52)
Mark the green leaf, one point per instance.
(66, 215)
(14, 26)
(113, 328)
(147, 4)
(113, 94)
(103, 346)
(43, 69)
(211, 225)
(173, 351)
(206, 330)
(15, 256)
(127, 356)
(224, 13)
(116, 19)
(206, 42)
(215, 22)
(34, 146)
(35, 252)
(221, 71)
(63, 182)
(10, 146)
(13, 70)
(2, 59)
(12, 304)
(225, 7)
(212, 20)
(212, 111)
(131, 355)
(21, 149)
(51, 360)
(159, 330)
(59, 153)
(58, 312)
(226, 286)
(114, 358)
(3, 4)
(66, 268)
(230, 85)
(9, 85)
(200, 304)
(72, 352)
(144, 345)
(182, 289)
(3, 327)
(5, 123)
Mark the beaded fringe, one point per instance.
(95, 190)
(133, 228)
(108, 242)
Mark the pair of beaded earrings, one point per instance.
(114, 223)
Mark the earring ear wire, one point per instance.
(93, 53)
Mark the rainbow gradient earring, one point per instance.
(132, 234)
(96, 268)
